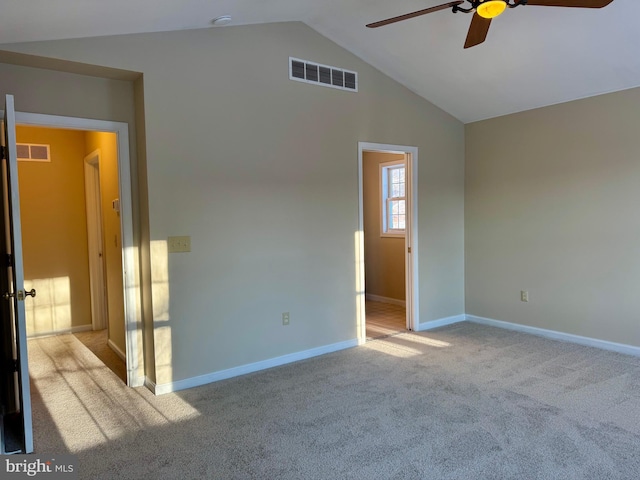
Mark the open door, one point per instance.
(16, 434)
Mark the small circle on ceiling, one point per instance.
(221, 21)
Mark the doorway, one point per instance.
(16, 433)
(102, 140)
(386, 243)
(68, 193)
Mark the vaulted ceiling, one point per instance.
(533, 56)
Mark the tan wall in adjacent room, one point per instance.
(384, 256)
(54, 232)
(109, 190)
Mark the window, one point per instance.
(393, 190)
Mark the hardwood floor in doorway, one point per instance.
(96, 341)
(384, 319)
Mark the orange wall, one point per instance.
(54, 232)
(383, 256)
(107, 144)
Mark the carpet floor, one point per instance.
(464, 401)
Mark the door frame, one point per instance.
(133, 333)
(411, 237)
(95, 240)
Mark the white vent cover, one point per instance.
(325, 75)
(32, 152)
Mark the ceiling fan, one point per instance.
(485, 10)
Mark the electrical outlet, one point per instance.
(524, 296)
(285, 318)
(179, 244)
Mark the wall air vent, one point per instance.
(311, 72)
(31, 152)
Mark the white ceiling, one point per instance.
(533, 56)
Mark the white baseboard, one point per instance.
(378, 298)
(150, 385)
(294, 357)
(441, 322)
(116, 349)
(249, 368)
(79, 328)
(567, 337)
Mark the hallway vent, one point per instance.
(31, 152)
(311, 72)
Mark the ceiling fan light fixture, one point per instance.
(491, 8)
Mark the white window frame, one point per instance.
(385, 198)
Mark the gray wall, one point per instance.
(261, 171)
(551, 207)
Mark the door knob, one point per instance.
(22, 294)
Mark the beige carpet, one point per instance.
(463, 402)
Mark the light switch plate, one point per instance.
(179, 244)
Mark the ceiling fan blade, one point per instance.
(477, 31)
(570, 3)
(407, 16)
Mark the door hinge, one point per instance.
(3, 152)
(408, 249)
(9, 260)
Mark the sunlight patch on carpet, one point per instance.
(85, 402)
(390, 348)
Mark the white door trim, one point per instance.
(129, 268)
(95, 241)
(411, 237)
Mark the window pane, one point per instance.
(393, 193)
